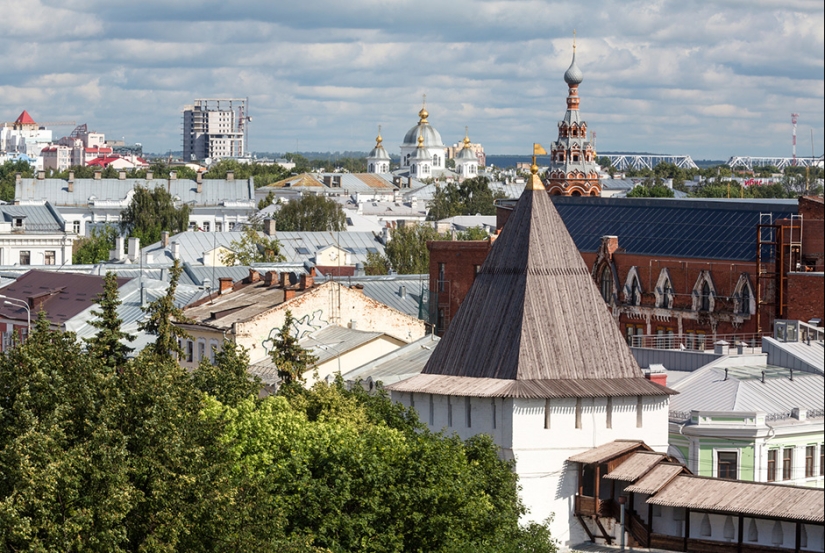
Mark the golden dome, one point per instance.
(378, 140)
(420, 141)
(423, 114)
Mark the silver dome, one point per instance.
(431, 136)
(379, 152)
(573, 75)
(466, 154)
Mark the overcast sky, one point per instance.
(706, 78)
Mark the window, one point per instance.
(726, 464)
(606, 283)
(76, 227)
(493, 401)
(629, 330)
(787, 463)
(206, 226)
(201, 351)
(810, 454)
(48, 257)
(25, 257)
(578, 412)
(468, 409)
(667, 291)
(432, 410)
(218, 227)
(772, 454)
(745, 305)
(190, 351)
(441, 277)
(634, 292)
(822, 459)
(449, 411)
(704, 304)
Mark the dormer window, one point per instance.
(705, 298)
(19, 222)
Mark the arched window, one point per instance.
(606, 283)
(370, 168)
(435, 160)
(745, 304)
(634, 292)
(667, 291)
(704, 304)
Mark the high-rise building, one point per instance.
(215, 128)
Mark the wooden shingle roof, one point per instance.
(534, 315)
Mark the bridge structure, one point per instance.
(779, 162)
(648, 161)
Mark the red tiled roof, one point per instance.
(25, 119)
(98, 149)
(102, 161)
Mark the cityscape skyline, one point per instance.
(710, 80)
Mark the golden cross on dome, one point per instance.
(574, 39)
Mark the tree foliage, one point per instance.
(160, 321)
(407, 251)
(288, 356)
(311, 212)
(108, 344)
(8, 178)
(473, 233)
(227, 379)
(151, 212)
(253, 247)
(471, 197)
(95, 247)
(651, 189)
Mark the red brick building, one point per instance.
(675, 271)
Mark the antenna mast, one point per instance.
(794, 119)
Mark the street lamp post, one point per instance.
(21, 303)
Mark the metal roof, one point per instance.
(56, 191)
(797, 355)
(398, 365)
(401, 292)
(332, 341)
(748, 498)
(707, 390)
(665, 226)
(37, 218)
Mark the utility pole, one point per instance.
(794, 119)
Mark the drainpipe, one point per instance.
(622, 501)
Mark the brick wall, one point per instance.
(806, 296)
(448, 288)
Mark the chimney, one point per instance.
(289, 293)
(357, 288)
(121, 175)
(199, 177)
(164, 239)
(41, 175)
(230, 175)
(402, 291)
(721, 348)
(134, 248)
(656, 373)
(97, 175)
(254, 276)
(175, 247)
(306, 281)
(612, 243)
(799, 413)
(270, 278)
(225, 285)
(117, 253)
(173, 175)
(200, 187)
(18, 177)
(269, 226)
(149, 175)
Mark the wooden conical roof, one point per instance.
(535, 318)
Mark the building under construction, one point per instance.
(215, 128)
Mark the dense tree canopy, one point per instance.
(95, 247)
(253, 247)
(311, 212)
(151, 212)
(471, 197)
(142, 456)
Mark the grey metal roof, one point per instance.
(192, 246)
(332, 341)
(707, 390)
(573, 75)
(401, 292)
(37, 218)
(56, 191)
(398, 365)
(432, 138)
(797, 355)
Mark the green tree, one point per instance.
(152, 211)
(291, 360)
(8, 178)
(228, 379)
(94, 248)
(311, 212)
(268, 201)
(471, 197)
(650, 189)
(253, 247)
(376, 264)
(108, 344)
(407, 249)
(160, 321)
(473, 233)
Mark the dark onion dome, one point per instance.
(573, 75)
(431, 137)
